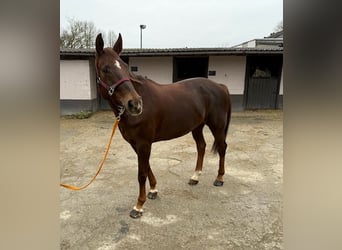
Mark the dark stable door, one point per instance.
(262, 93)
(263, 80)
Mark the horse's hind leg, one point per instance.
(152, 194)
(222, 153)
(220, 147)
(197, 134)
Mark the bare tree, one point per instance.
(82, 34)
(279, 26)
(111, 38)
(79, 34)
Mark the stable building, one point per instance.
(253, 75)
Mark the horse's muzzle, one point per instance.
(135, 106)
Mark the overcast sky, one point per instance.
(178, 23)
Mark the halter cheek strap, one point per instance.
(111, 88)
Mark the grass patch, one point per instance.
(80, 115)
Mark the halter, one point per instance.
(110, 88)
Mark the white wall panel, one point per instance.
(75, 80)
(230, 70)
(159, 69)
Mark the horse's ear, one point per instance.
(118, 45)
(99, 44)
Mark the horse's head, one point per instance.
(113, 77)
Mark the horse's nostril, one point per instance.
(134, 106)
(130, 104)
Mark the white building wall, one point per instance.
(92, 75)
(251, 44)
(230, 70)
(159, 69)
(248, 44)
(75, 83)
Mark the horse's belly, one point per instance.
(170, 135)
(171, 129)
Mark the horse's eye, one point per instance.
(105, 70)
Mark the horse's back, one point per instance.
(207, 84)
(216, 98)
(202, 93)
(216, 93)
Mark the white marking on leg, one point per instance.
(196, 175)
(138, 210)
(117, 64)
(153, 190)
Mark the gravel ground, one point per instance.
(246, 213)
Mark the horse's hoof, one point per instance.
(152, 195)
(218, 183)
(192, 182)
(135, 214)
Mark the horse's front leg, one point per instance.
(143, 151)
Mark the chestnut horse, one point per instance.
(151, 112)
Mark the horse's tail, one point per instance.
(228, 119)
(229, 111)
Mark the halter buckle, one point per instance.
(111, 90)
(121, 111)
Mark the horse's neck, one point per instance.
(137, 78)
(142, 82)
(146, 86)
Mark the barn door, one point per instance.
(262, 93)
(188, 67)
(262, 82)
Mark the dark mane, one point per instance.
(140, 79)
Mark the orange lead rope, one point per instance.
(101, 163)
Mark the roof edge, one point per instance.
(177, 51)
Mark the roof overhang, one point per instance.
(80, 53)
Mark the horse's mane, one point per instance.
(139, 78)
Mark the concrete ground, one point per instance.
(246, 213)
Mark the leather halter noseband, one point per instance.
(111, 88)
